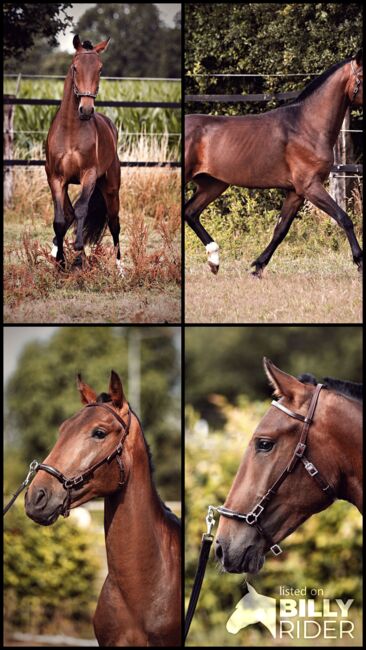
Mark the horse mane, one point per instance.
(313, 85)
(104, 397)
(347, 388)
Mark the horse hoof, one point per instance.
(258, 273)
(214, 268)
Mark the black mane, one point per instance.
(347, 388)
(318, 81)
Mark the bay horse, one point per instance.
(305, 453)
(81, 148)
(102, 451)
(289, 148)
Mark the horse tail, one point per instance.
(96, 218)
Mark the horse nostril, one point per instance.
(41, 497)
(219, 552)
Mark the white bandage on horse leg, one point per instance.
(213, 253)
(54, 251)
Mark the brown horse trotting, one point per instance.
(290, 148)
(101, 451)
(81, 148)
(305, 452)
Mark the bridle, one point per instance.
(76, 482)
(76, 90)
(357, 81)
(251, 518)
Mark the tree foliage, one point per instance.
(49, 574)
(228, 362)
(24, 23)
(42, 393)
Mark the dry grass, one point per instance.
(314, 290)
(35, 290)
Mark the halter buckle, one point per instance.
(252, 516)
(300, 449)
(310, 468)
(276, 549)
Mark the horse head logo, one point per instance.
(253, 608)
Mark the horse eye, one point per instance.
(99, 434)
(264, 445)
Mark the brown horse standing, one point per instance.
(81, 148)
(289, 148)
(103, 452)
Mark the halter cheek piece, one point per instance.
(76, 90)
(357, 81)
(251, 518)
(76, 482)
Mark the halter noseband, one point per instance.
(76, 482)
(76, 90)
(251, 518)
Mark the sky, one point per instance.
(167, 12)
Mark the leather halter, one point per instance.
(251, 518)
(357, 81)
(76, 482)
(76, 90)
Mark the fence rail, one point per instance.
(122, 104)
(39, 163)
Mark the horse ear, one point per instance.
(102, 46)
(284, 385)
(87, 394)
(116, 390)
(77, 43)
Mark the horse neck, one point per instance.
(135, 524)
(69, 102)
(346, 427)
(325, 108)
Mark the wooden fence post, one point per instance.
(338, 182)
(8, 150)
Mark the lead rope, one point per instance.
(32, 469)
(206, 542)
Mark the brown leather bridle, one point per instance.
(357, 81)
(76, 482)
(251, 518)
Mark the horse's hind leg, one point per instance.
(291, 205)
(208, 189)
(110, 191)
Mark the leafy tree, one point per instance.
(23, 23)
(229, 361)
(138, 36)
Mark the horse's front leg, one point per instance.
(69, 218)
(58, 190)
(321, 199)
(81, 207)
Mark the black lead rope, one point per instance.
(207, 539)
(32, 469)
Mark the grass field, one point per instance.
(320, 287)
(35, 291)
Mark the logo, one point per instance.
(290, 618)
